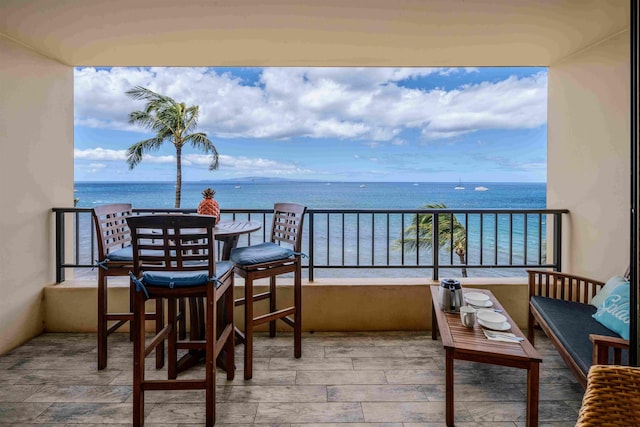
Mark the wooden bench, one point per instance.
(559, 305)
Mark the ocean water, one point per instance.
(317, 195)
(374, 241)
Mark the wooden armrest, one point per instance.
(562, 286)
(601, 346)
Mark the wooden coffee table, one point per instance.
(470, 344)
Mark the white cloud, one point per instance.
(233, 164)
(345, 103)
(100, 154)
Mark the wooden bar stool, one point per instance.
(281, 255)
(115, 258)
(174, 257)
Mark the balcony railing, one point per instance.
(376, 242)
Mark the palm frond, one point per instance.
(200, 141)
(142, 93)
(451, 233)
(136, 151)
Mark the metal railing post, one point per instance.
(435, 245)
(59, 246)
(557, 241)
(311, 245)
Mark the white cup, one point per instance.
(468, 316)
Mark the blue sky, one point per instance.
(328, 124)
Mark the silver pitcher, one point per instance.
(450, 296)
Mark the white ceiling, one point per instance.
(311, 32)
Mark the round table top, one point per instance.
(236, 227)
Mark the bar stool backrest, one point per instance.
(111, 227)
(171, 242)
(287, 224)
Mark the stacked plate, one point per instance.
(478, 300)
(492, 320)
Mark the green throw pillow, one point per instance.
(608, 287)
(614, 313)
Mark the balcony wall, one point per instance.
(36, 173)
(328, 304)
(588, 162)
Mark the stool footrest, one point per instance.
(111, 329)
(191, 345)
(256, 297)
(119, 316)
(273, 316)
(174, 384)
(289, 321)
(158, 339)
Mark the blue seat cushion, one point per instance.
(572, 323)
(177, 279)
(126, 254)
(258, 254)
(123, 254)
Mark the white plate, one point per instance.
(505, 326)
(476, 296)
(488, 303)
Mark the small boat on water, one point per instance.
(481, 188)
(237, 186)
(459, 186)
(362, 185)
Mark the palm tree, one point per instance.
(171, 121)
(450, 232)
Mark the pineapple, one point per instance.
(209, 206)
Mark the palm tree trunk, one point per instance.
(462, 256)
(178, 175)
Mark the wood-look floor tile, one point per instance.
(561, 391)
(313, 351)
(81, 363)
(409, 412)
(392, 363)
(87, 413)
(400, 339)
(338, 412)
(348, 425)
(296, 393)
(352, 351)
(260, 377)
(188, 413)
(376, 393)
(412, 376)
(80, 393)
(420, 351)
(8, 376)
(17, 393)
(14, 412)
(340, 377)
(308, 364)
(558, 411)
(464, 424)
(477, 392)
(339, 341)
(68, 377)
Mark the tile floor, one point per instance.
(354, 379)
